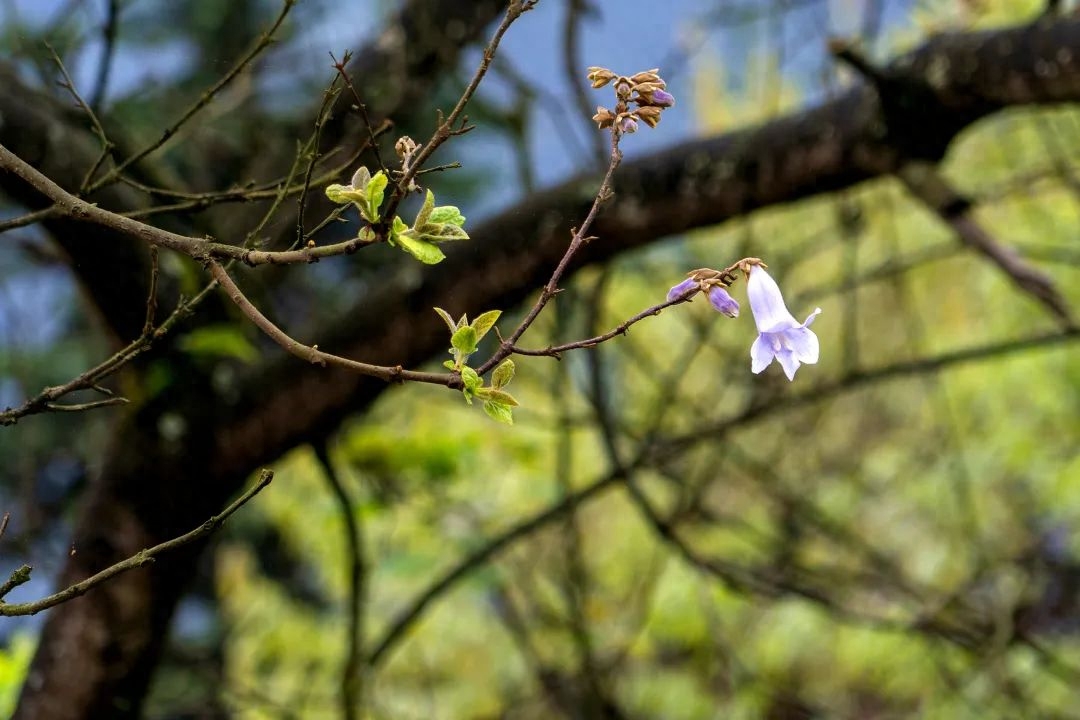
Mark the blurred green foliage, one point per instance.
(849, 511)
(896, 499)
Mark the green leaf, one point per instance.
(219, 341)
(449, 365)
(503, 374)
(398, 226)
(464, 340)
(361, 178)
(485, 322)
(425, 210)
(447, 214)
(499, 412)
(472, 381)
(342, 194)
(498, 396)
(425, 252)
(442, 232)
(446, 319)
(373, 193)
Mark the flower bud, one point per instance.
(649, 115)
(405, 146)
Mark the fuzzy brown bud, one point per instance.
(405, 146)
(647, 76)
(603, 118)
(649, 115)
(599, 77)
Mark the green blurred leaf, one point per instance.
(499, 412)
(223, 340)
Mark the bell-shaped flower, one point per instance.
(780, 336)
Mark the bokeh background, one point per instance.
(661, 534)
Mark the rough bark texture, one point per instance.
(98, 652)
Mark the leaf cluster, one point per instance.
(432, 226)
(464, 340)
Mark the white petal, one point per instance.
(804, 343)
(789, 362)
(766, 302)
(761, 354)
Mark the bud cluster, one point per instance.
(646, 90)
(406, 148)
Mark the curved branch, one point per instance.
(143, 557)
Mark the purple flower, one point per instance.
(662, 98)
(628, 124)
(780, 336)
(681, 289)
(723, 302)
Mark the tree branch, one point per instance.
(144, 557)
(926, 184)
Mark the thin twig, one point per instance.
(580, 237)
(4, 523)
(576, 580)
(352, 672)
(108, 32)
(82, 407)
(556, 351)
(311, 353)
(576, 11)
(320, 119)
(931, 188)
(90, 378)
(29, 218)
(446, 128)
(361, 106)
(260, 44)
(151, 295)
(198, 248)
(106, 145)
(657, 452)
(143, 557)
(477, 559)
